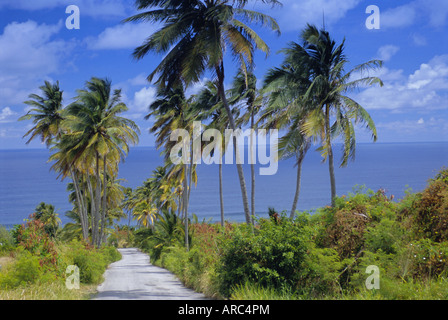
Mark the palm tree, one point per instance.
(244, 89)
(172, 110)
(46, 213)
(194, 36)
(326, 94)
(285, 87)
(209, 105)
(96, 139)
(294, 143)
(145, 213)
(45, 112)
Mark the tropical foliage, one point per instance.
(88, 139)
(194, 37)
(322, 256)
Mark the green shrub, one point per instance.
(274, 255)
(6, 240)
(25, 270)
(384, 236)
(33, 238)
(426, 213)
(91, 262)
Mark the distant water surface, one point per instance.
(26, 179)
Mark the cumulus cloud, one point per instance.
(294, 14)
(28, 55)
(386, 52)
(433, 13)
(424, 89)
(6, 114)
(122, 36)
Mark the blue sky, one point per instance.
(35, 46)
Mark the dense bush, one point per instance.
(91, 262)
(6, 240)
(33, 237)
(324, 255)
(427, 215)
(272, 255)
(26, 270)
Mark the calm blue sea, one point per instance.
(26, 179)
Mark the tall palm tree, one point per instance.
(285, 87)
(194, 37)
(96, 139)
(45, 113)
(327, 97)
(244, 89)
(172, 110)
(209, 105)
(294, 144)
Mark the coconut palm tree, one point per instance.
(244, 89)
(145, 213)
(96, 138)
(172, 111)
(46, 213)
(194, 37)
(45, 112)
(285, 109)
(331, 112)
(209, 105)
(294, 144)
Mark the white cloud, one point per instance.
(425, 89)
(402, 16)
(28, 55)
(6, 114)
(432, 12)
(143, 98)
(433, 75)
(97, 8)
(419, 40)
(417, 130)
(294, 14)
(122, 36)
(386, 52)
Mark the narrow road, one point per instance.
(134, 278)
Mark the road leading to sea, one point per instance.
(135, 278)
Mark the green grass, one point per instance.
(55, 290)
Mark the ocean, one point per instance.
(26, 179)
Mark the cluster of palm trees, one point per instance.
(306, 96)
(88, 138)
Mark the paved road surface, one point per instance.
(134, 278)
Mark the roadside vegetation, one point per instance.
(290, 255)
(323, 255)
(34, 261)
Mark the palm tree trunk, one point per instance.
(97, 200)
(81, 207)
(220, 74)
(92, 204)
(299, 177)
(185, 195)
(252, 166)
(330, 154)
(221, 198)
(104, 205)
